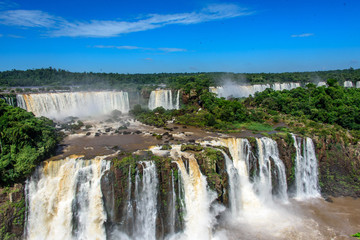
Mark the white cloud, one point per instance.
(14, 36)
(142, 48)
(28, 18)
(172, 49)
(118, 47)
(7, 4)
(303, 35)
(101, 28)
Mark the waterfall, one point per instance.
(163, 98)
(241, 193)
(172, 206)
(348, 84)
(358, 84)
(65, 200)
(268, 158)
(146, 190)
(79, 104)
(9, 100)
(177, 103)
(284, 86)
(306, 169)
(236, 90)
(320, 84)
(198, 199)
(129, 220)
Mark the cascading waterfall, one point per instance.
(129, 223)
(358, 84)
(163, 98)
(198, 199)
(172, 206)
(65, 198)
(9, 100)
(247, 90)
(177, 103)
(306, 169)
(320, 84)
(146, 190)
(65, 201)
(241, 192)
(348, 84)
(79, 104)
(268, 157)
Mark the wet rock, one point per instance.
(108, 129)
(88, 133)
(328, 199)
(122, 127)
(138, 132)
(97, 134)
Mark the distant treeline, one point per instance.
(58, 77)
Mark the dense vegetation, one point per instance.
(58, 78)
(202, 108)
(333, 104)
(24, 141)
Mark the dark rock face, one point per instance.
(339, 167)
(12, 212)
(287, 154)
(212, 165)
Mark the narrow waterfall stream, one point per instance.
(306, 169)
(146, 202)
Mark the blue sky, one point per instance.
(180, 36)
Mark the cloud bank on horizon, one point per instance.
(57, 26)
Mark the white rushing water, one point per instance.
(65, 201)
(9, 100)
(348, 84)
(269, 155)
(164, 98)
(358, 84)
(236, 90)
(306, 169)
(198, 218)
(241, 193)
(146, 190)
(172, 206)
(78, 104)
(320, 84)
